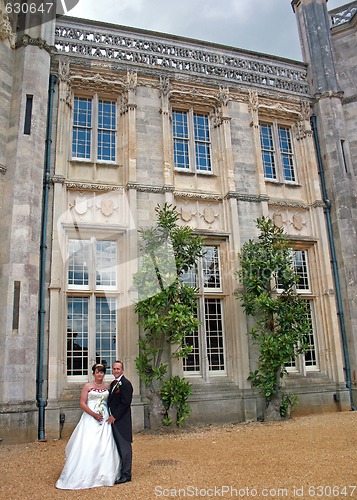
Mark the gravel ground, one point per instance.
(305, 457)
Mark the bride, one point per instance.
(92, 457)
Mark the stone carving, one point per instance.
(253, 101)
(95, 207)
(305, 110)
(81, 205)
(298, 221)
(217, 117)
(223, 96)
(91, 187)
(229, 65)
(278, 220)
(164, 86)
(197, 196)
(96, 82)
(186, 215)
(210, 215)
(132, 80)
(25, 40)
(107, 206)
(149, 189)
(6, 32)
(64, 71)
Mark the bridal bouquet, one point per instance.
(99, 408)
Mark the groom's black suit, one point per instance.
(119, 403)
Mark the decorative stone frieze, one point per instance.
(93, 187)
(197, 196)
(95, 207)
(255, 198)
(287, 203)
(201, 214)
(149, 189)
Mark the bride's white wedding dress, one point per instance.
(92, 457)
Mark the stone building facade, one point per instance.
(108, 123)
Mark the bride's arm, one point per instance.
(83, 403)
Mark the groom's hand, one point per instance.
(111, 420)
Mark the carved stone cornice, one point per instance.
(197, 196)
(149, 189)
(287, 204)
(256, 198)
(84, 186)
(25, 40)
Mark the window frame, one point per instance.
(95, 128)
(92, 294)
(194, 142)
(298, 365)
(277, 153)
(201, 336)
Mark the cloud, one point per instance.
(266, 26)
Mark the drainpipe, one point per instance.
(41, 401)
(327, 211)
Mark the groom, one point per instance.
(119, 401)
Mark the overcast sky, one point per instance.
(267, 26)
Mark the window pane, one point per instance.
(106, 263)
(192, 362)
(267, 147)
(310, 354)
(286, 153)
(210, 265)
(82, 123)
(214, 334)
(180, 136)
(301, 269)
(77, 336)
(106, 130)
(78, 262)
(181, 154)
(189, 277)
(106, 330)
(202, 142)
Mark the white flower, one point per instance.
(99, 408)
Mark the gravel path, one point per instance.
(306, 457)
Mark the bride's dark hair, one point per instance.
(99, 367)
